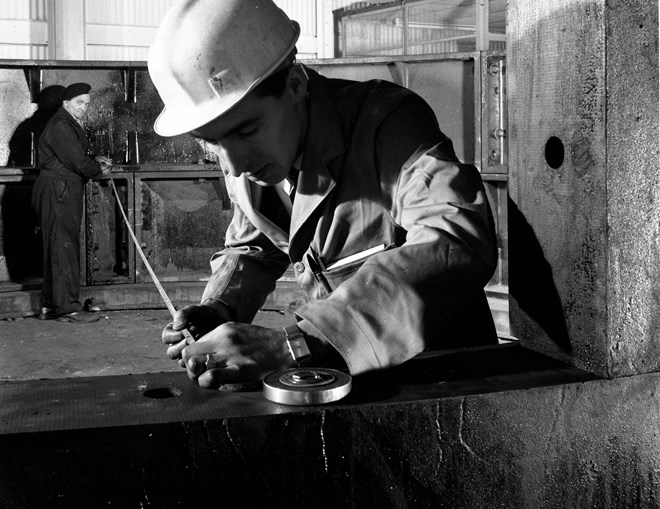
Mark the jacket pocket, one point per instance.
(61, 189)
(341, 270)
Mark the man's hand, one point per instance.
(197, 319)
(103, 160)
(234, 353)
(106, 165)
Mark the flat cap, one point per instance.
(76, 89)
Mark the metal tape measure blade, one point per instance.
(307, 386)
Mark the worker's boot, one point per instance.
(46, 314)
(91, 305)
(81, 316)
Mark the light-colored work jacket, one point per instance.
(402, 232)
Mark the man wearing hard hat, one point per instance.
(391, 238)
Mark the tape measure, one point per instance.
(307, 386)
(298, 386)
(154, 278)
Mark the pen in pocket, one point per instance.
(358, 256)
(318, 273)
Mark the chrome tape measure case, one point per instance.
(307, 386)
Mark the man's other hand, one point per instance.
(234, 353)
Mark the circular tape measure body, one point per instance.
(307, 386)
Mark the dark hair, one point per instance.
(273, 84)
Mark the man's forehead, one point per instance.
(235, 119)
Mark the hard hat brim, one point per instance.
(174, 122)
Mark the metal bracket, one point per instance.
(494, 148)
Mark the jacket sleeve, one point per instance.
(246, 270)
(380, 317)
(71, 152)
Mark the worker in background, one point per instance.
(353, 183)
(57, 197)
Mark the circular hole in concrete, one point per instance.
(162, 393)
(554, 152)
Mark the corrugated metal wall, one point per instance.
(114, 29)
(23, 29)
(122, 29)
(117, 29)
(305, 13)
(22, 9)
(146, 13)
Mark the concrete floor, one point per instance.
(121, 343)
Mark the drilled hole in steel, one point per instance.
(162, 393)
(554, 152)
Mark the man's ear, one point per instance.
(296, 82)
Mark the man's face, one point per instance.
(260, 137)
(77, 106)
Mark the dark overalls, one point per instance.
(57, 198)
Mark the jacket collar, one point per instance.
(65, 114)
(323, 143)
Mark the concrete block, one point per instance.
(584, 182)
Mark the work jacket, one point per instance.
(377, 176)
(63, 149)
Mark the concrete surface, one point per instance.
(121, 343)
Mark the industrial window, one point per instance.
(414, 27)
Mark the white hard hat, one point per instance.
(208, 54)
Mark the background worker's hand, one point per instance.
(198, 319)
(104, 160)
(234, 353)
